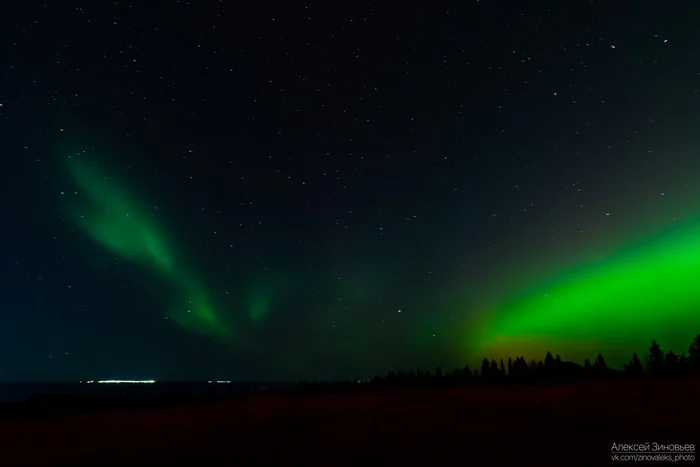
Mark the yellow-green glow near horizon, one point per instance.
(649, 290)
(114, 220)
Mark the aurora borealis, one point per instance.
(648, 290)
(220, 192)
(114, 220)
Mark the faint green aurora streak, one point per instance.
(648, 290)
(114, 220)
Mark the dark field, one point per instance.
(567, 426)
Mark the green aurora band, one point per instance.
(113, 220)
(647, 290)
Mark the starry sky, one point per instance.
(217, 190)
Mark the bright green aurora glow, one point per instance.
(648, 290)
(116, 221)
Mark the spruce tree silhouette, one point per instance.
(634, 367)
(485, 373)
(587, 364)
(503, 369)
(466, 372)
(510, 366)
(548, 360)
(493, 371)
(600, 368)
(519, 369)
(655, 359)
(694, 354)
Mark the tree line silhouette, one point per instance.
(657, 364)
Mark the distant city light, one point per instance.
(130, 381)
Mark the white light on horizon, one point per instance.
(117, 381)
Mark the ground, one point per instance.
(567, 426)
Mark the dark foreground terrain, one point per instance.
(567, 426)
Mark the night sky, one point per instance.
(227, 190)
